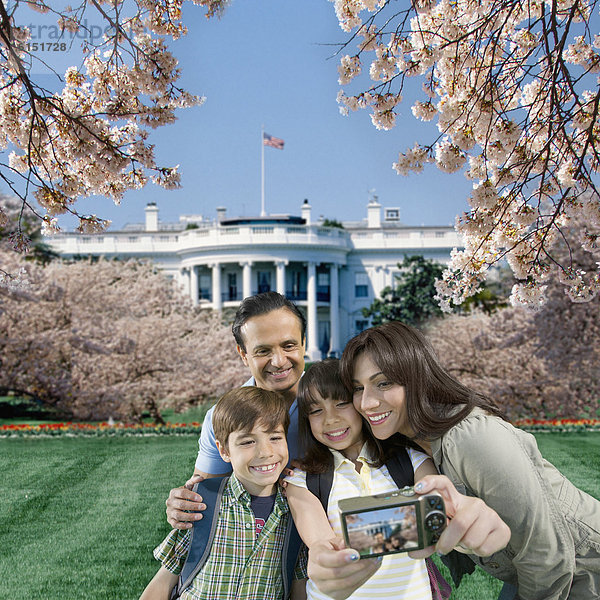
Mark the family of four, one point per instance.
(510, 511)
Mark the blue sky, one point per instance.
(269, 62)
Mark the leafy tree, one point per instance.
(110, 338)
(332, 223)
(513, 87)
(412, 299)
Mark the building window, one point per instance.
(361, 285)
(264, 281)
(323, 286)
(360, 325)
(232, 286)
(298, 286)
(205, 282)
(392, 214)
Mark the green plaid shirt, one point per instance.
(240, 565)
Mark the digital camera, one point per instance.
(392, 522)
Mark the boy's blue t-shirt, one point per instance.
(209, 460)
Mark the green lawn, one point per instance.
(79, 517)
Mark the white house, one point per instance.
(330, 273)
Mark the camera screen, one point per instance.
(385, 530)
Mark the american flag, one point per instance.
(269, 140)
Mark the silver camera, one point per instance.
(396, 521)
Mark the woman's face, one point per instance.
(380, 401)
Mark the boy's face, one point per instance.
(257, 457)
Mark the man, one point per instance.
(269, 332)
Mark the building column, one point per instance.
(247, 279)
(334, 310)
(194, 285)
(217, 301)
(184, 281)
(312, 351)
(281, 276)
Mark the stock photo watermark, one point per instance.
(51, 47)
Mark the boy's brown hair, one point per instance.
(242, 408)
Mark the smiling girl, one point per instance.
(335, 437)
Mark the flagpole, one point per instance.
(262, 170)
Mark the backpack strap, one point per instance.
(398, 464)
(203, 532)
(289, 556)
(320, 485)
(400, 468)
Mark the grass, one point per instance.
(79, 517)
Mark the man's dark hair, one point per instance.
(261, 304)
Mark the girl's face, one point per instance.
(380, 401)
(336, 424)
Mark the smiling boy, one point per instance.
(254, 522)
(270, 335)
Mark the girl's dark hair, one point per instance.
(435, 401)
(323, 379)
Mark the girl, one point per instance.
(400, 387)
(334, 436)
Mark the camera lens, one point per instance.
(435, 520)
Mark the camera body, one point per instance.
(392, 522)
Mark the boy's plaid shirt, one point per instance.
(241, 565)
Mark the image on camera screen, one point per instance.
(383, 531)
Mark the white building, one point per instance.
(330, 273)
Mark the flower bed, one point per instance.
(147, 429)
(100, 429)
(558, 425)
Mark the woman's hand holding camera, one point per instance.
(472, 524)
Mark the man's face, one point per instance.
(274, 350)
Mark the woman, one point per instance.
(400, 388)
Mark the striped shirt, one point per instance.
(241, 564)
(399, 575)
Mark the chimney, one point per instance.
(373, 214)
(306, 208)
(151, 216)
(221, 210)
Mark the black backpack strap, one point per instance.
(289, 556)
(320, 485)
(400, 468)
(458, 564)
(203, 532)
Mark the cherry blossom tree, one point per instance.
(109, 339)
(90, 137)
(540, 363)
(513, 87)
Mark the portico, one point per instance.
(312, 285)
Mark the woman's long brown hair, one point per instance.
(435, 401)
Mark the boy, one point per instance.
(245, 558)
